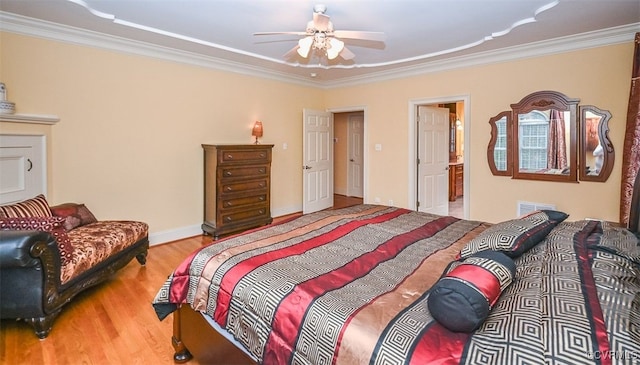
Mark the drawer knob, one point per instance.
(263, 155)
(227, 173)
(262, 171)
(228, 204)
(261, 211)
(261, 198)
(262, 185)
(229, 188)
(230, 157)
(228, 219)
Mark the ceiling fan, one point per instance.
(321, 37)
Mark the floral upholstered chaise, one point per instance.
(48, 254)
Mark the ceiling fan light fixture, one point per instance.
(335, 47)
(304, 46)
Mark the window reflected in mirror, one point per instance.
(499, 150)
(543, 143)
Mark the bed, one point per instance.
(373, 284)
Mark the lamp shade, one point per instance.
(335, 47)
(304, 46)
(257, 130)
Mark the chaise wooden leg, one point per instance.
(142, 258)
(42, 325)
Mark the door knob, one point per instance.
(351, 160)
(305, 167)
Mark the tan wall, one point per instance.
(599, 76)
(340, 127)
(128, 143)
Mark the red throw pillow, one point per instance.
(76, 215)
(52, 225)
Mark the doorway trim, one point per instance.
(365, 143)
(413, 121)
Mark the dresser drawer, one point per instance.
(229, 172)
(230, 187)
(242, 201)
(243, 156)
(235, 217)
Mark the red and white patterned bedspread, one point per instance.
(351, 287)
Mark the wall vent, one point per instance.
(525, 208)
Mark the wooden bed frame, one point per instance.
(193, 336)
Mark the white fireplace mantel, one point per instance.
(29, 118)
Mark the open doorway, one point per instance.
(348, 147)
(319, 156)
(451, 184)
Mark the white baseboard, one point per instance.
(286, 211)
(174, 234)
(158, 238)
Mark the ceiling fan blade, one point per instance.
(275, 33)
(347, 54)
(356, 34)
(292, 52)
(321, 22)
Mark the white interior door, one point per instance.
(433, 160)
(355, 174)
(317, 169)
(22, 167)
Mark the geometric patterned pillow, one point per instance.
(462, 299)
(52, 225)
(516, 236)
(76, 215)
(34, 207)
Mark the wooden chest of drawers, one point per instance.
(237, 187)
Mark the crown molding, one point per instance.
(42, 29)
(48, 30)
(606, 37)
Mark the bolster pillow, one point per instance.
(462, 299)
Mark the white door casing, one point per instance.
(23, 167)
(433, 160)
(317, 159)
(355, 147)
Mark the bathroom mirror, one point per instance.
(597, 154)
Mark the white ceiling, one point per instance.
(419, 33)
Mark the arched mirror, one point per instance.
(538, 139)
(597, 154)
(544, 137)
(499, 151)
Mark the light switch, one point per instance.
(378, 147)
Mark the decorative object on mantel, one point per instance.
(257, 130)
(6, 107)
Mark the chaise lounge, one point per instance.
(50, 254)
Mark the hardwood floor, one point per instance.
(112, 323)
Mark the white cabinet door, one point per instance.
(22, 167)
